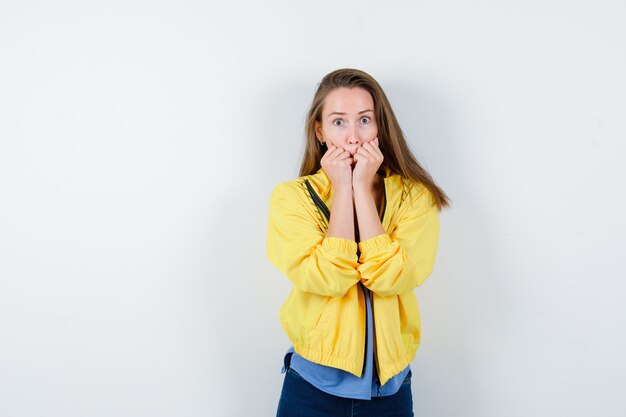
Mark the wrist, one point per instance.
(362, 192)
(363, 188)
(344, 191)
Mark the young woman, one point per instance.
(355, 233)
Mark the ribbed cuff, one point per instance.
(379, 241)
(340, 244)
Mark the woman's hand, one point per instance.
(337, 164)
(368, 159)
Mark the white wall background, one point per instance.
(139, 142)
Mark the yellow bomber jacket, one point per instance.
(324, 315)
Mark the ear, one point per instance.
(318, 130)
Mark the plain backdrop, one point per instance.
(139, 144)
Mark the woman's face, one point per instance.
(347, 119)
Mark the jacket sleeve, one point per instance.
(298, 247)
(396, 263)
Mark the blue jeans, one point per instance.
(301, 399)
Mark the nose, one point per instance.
(353, 138)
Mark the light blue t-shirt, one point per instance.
(344, 384)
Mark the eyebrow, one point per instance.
(362, 111)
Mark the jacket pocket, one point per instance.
(410, 322)
(323, 308)
(340, 328)
(315, 335)
(301, 313)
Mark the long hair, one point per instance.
(396, 153)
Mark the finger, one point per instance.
(333, 148)
(339, 159)
(343, 155)
(368, 151)
(336, 151)
(331, 154)
(373, 143)
(373, 148)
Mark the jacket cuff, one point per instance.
(339, 244)
(373, 243)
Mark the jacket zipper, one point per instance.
(318, 201)
(382, 216)
(375, 352)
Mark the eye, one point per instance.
(365, 117)
(337, 120)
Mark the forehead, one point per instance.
(348, 100)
